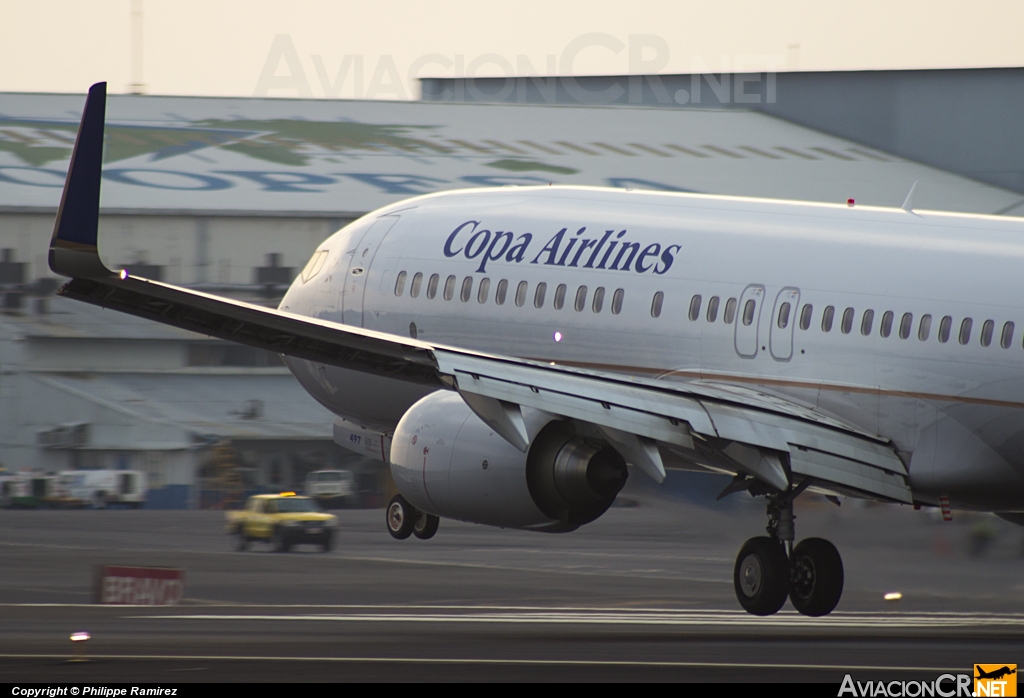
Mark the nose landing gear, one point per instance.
(404, 520)
(770, 568)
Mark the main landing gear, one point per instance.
(769, 568)
(404, 520)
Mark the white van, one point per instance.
(331, 488)
(99, 488)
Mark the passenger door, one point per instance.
(780, 333)
(359, 268)
(748, 315)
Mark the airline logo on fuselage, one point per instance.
(611, 249)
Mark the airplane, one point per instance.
(512, 353)
(995, 674)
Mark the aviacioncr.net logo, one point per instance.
(945, 686)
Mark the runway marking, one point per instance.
(496, 661)
(592, 572)
(621, 617)
(444, 611)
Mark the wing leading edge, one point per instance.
(724, 427)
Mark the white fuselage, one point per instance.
(954, 409)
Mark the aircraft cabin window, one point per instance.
(1006, 338)
(559, 297)
(713, 309)
(417, 283)
(314, 265)
(483, 290)
(905, 324)
(656, 303)
(885, 327)
(521, 294)
(400, 283)
(805, 316)
(538, 295)
(730, 311)
(449, 287)
(598, 301)
(866, 322)
(694, 307)
(499, 295)
(944, 327)
(986, 332)
(847, 321)
(826, 318)
(783, 319)
(924, 328)
(617, 299)
(581, 299)
(965, 330)
(748, 312)
(432, 286)
(467, 289)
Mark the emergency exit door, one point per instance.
(748, 316)
(780, 333)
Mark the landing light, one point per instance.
(124, 274)
(287, 494)
(557, 336)
(78, 643)
(893, 596)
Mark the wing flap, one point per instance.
(858, 476)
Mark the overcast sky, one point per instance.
(364, 49)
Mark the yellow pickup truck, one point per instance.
(283, 520)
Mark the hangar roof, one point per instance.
(229, 156)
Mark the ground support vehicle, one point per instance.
(282, 520)
(100, 488)
(331, 489)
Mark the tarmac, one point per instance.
(643, 593)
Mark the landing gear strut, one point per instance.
(769, 568)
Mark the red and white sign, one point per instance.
(140, 586)
(947, 513)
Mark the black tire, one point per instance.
(327, 543)
(281, 543)
(816, 577)
(761, 576)
(425, 525)
(400, 517)
(243, 542)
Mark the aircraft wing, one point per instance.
(758, 436)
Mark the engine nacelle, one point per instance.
(446, 461)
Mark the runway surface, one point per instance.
(644, 593)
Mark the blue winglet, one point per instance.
(73, 247)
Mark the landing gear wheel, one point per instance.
(401, 517)
(761, 576)
(816, 577)
(281, 544)
(425, 525)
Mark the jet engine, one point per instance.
(446, 461)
